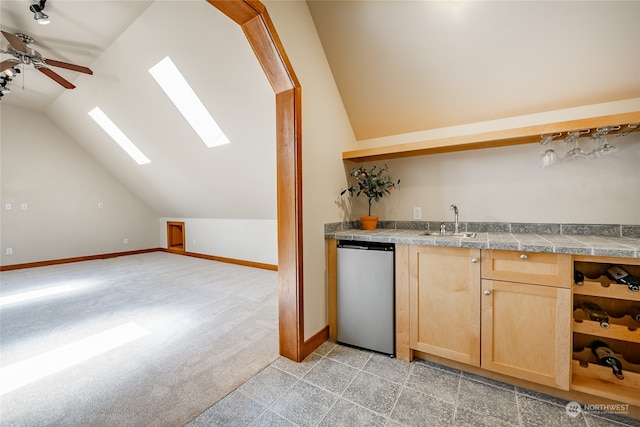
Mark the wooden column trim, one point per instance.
(261, 34)
(290, 277)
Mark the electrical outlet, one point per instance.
(126, 241)
(417, 213)
(7, 206)
(23, 206)
(100, 205)
(9, 251)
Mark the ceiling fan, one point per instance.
(24, 55)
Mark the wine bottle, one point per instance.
(607, 357)
(578, 277)
(595, 313)
(634, 311)
(623, 277)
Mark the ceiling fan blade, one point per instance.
(5, 65)
(68, 66)
(15, 42)
(57, 77)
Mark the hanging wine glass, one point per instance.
(631, 127)
(549, 157)
(575, 152)
(603, 148)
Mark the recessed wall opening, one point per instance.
(175, 236)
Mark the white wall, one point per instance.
(62, 186)
(506, 185)
(241, 239)
(326, 132)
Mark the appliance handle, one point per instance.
(354, 247)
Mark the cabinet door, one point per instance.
(526, 331)
(445, 302)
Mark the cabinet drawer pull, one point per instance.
(487, 293)
(474, 260)
(523, 256)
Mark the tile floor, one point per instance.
(342, 386)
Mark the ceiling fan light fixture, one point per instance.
(40, 17)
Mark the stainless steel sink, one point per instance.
(449, 234)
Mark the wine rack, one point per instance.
(622, 335)
(590, 377)
(602, 287)
(622, 328)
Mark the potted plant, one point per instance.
(373, 183)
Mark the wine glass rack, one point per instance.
(622, 335)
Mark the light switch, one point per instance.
(23, 206)
(7, 206)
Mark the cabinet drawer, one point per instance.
(527, 267)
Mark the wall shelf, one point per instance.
(500, 138)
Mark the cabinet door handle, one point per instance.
(487, 293)
(523, 256)
(474, 260)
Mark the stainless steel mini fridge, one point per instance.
(366, 291)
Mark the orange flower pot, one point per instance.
(369, 222)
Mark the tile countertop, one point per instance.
(624, 247)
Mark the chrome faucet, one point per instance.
(454, 208)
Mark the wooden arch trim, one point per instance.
(256, 24)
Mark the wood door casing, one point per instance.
(176, 236)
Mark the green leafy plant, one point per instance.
(374, 183)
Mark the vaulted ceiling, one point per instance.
(405, 66)
(184, 177)
(400, 66)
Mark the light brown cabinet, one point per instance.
(516, 321)
(444, 298)
(526, 315)
(527, 267)
(516, 314)
(526, 331)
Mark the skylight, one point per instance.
(118, 136)
(185, 99)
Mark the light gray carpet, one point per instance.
(211, 327)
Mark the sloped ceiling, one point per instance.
(78, 33)
(184, 178)
(406, 66)
(400, 66)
